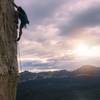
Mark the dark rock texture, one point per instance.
(8, 51)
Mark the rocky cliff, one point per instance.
(8, 51)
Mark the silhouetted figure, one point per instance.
(20, 14)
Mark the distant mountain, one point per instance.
(60, 85)
(84, 71)
(26, 76)
(87, 70)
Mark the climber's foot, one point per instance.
(18, 39)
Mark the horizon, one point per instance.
(63, 34)
(57, 70)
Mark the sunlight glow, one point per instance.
(85, 50)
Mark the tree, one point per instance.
(8, 51)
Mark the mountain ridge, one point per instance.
(84, 71)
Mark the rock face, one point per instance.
(8, 51)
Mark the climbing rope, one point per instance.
(19, 58)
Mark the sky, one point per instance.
(63, 34)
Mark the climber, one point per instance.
(21, 15)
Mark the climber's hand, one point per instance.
(14, 4)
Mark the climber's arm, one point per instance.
(14, 4)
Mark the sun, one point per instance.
(83, 50)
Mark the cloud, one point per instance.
(86, 18)
(46, 43)
(38, 11)
(35, 64)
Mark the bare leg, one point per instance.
(20, 32)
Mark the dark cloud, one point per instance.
(87, 18)
(35, 64)
(38, 10)
(56, 63)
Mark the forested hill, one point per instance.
(81, 84)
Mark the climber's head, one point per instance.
(19, 9)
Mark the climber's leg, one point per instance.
(20, 31)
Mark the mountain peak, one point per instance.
(87, 67)
(87, 70)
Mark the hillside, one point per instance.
(87, 70)
(84, 71)
(26, 76)
(60, 85)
